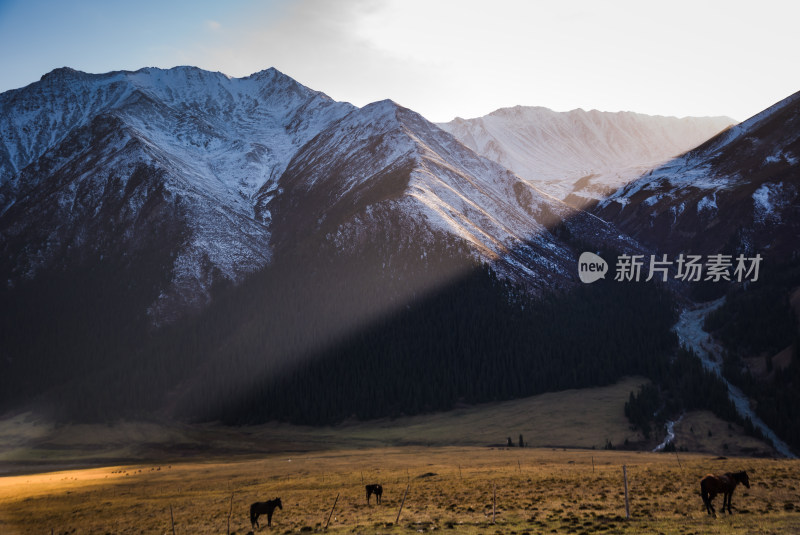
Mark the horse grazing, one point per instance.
(264, 508)
(377, 490)
(712, 485)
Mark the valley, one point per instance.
(581, 156)
(511, 268)
(589, 418)
(211, 270)
(689, 331)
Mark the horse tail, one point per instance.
(253, 514)
(704, 491)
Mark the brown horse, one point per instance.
(264, 508)
(712, 485)
(377, 490)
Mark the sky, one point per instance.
(442, 58)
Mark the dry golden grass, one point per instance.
(538, 491)
(444, 459)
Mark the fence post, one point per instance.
(230, 512)
(396, 520)
(331, 513)
(494, 500)
(625, 478)
(171, 519)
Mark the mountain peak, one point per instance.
(386, 105)
(520, 111)
(382, 111)
(60, 71)
(745, 175)
(273, 76)
(183, 69)
(581, 155)
(62, 74)
(270, 73)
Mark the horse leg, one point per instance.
(711, 497)
(730, 497)
(255, 522)
(269, 518)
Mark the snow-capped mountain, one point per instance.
(109, 162)
(203, 115)
(739, 191)
(213, 174)
(311, 228)
(383, 169)
(581, 156)
(173, 231)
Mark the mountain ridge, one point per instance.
(448, 189)
(214, 140)
(220, 147)
(580, 156)
(746, 175)
(233, 244)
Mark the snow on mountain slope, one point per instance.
(72, 143)
(219, 174)
(240, 132)
(738, 191)
(109, 191)
(579, 156)
(384, 165)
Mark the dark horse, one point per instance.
(264, 508)
(377, 490)
(712, 485)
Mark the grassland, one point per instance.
(450, 489)
(588, 418)
(451, 463)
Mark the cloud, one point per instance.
(319, 43)
(467, 58)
